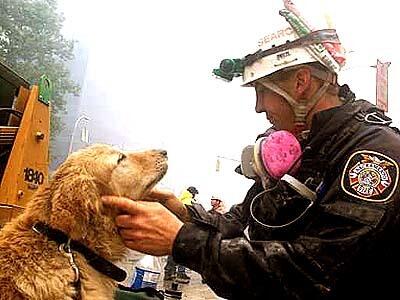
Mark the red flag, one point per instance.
(382, 85)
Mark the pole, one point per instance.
(82, 117)
(218, 164)
(228, 158)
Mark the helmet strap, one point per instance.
(300, 108)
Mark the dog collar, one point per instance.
(96, 261)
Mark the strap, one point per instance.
(302, 108)
(375, 117)
(97, 262)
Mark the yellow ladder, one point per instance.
(24, 149)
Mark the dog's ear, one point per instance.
(75, 199)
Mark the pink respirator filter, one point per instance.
(280, 153)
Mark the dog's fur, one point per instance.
(32, 267)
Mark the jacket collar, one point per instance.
(328, 123)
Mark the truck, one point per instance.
(24, 140)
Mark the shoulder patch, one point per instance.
(370, 176)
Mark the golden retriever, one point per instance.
(32, 266)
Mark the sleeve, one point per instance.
(336, 241)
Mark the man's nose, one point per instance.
(259, 108)
(259, 102)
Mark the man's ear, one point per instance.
(75, 200)
(302, 82)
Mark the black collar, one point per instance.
(97, 262)
(326, 123)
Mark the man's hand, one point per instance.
(147, 227)
(170, 201)
(157, 195)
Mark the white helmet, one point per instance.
(292, 46)
(288, 48)
(284, 49)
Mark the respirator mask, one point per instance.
(274, 159)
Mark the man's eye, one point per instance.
(121, 157)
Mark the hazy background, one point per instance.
(145, 69)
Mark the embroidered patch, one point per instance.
(370, 176)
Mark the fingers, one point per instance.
(124, 204)
(160, 195)
(124, 221)
(131, 207)
(128, 235)
(129, 227)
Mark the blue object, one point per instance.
(145, 278)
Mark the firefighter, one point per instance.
(331, 231)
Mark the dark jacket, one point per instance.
(345, 247)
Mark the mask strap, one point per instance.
(258, 164)
(258, 196)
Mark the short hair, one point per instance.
(192, 190)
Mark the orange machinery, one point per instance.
(24, 140)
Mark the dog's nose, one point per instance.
(164, 153)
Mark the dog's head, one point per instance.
(79, 183)
(122, 173)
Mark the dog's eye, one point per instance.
(121, 157)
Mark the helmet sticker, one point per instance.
(370, 176)
(283, 33)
